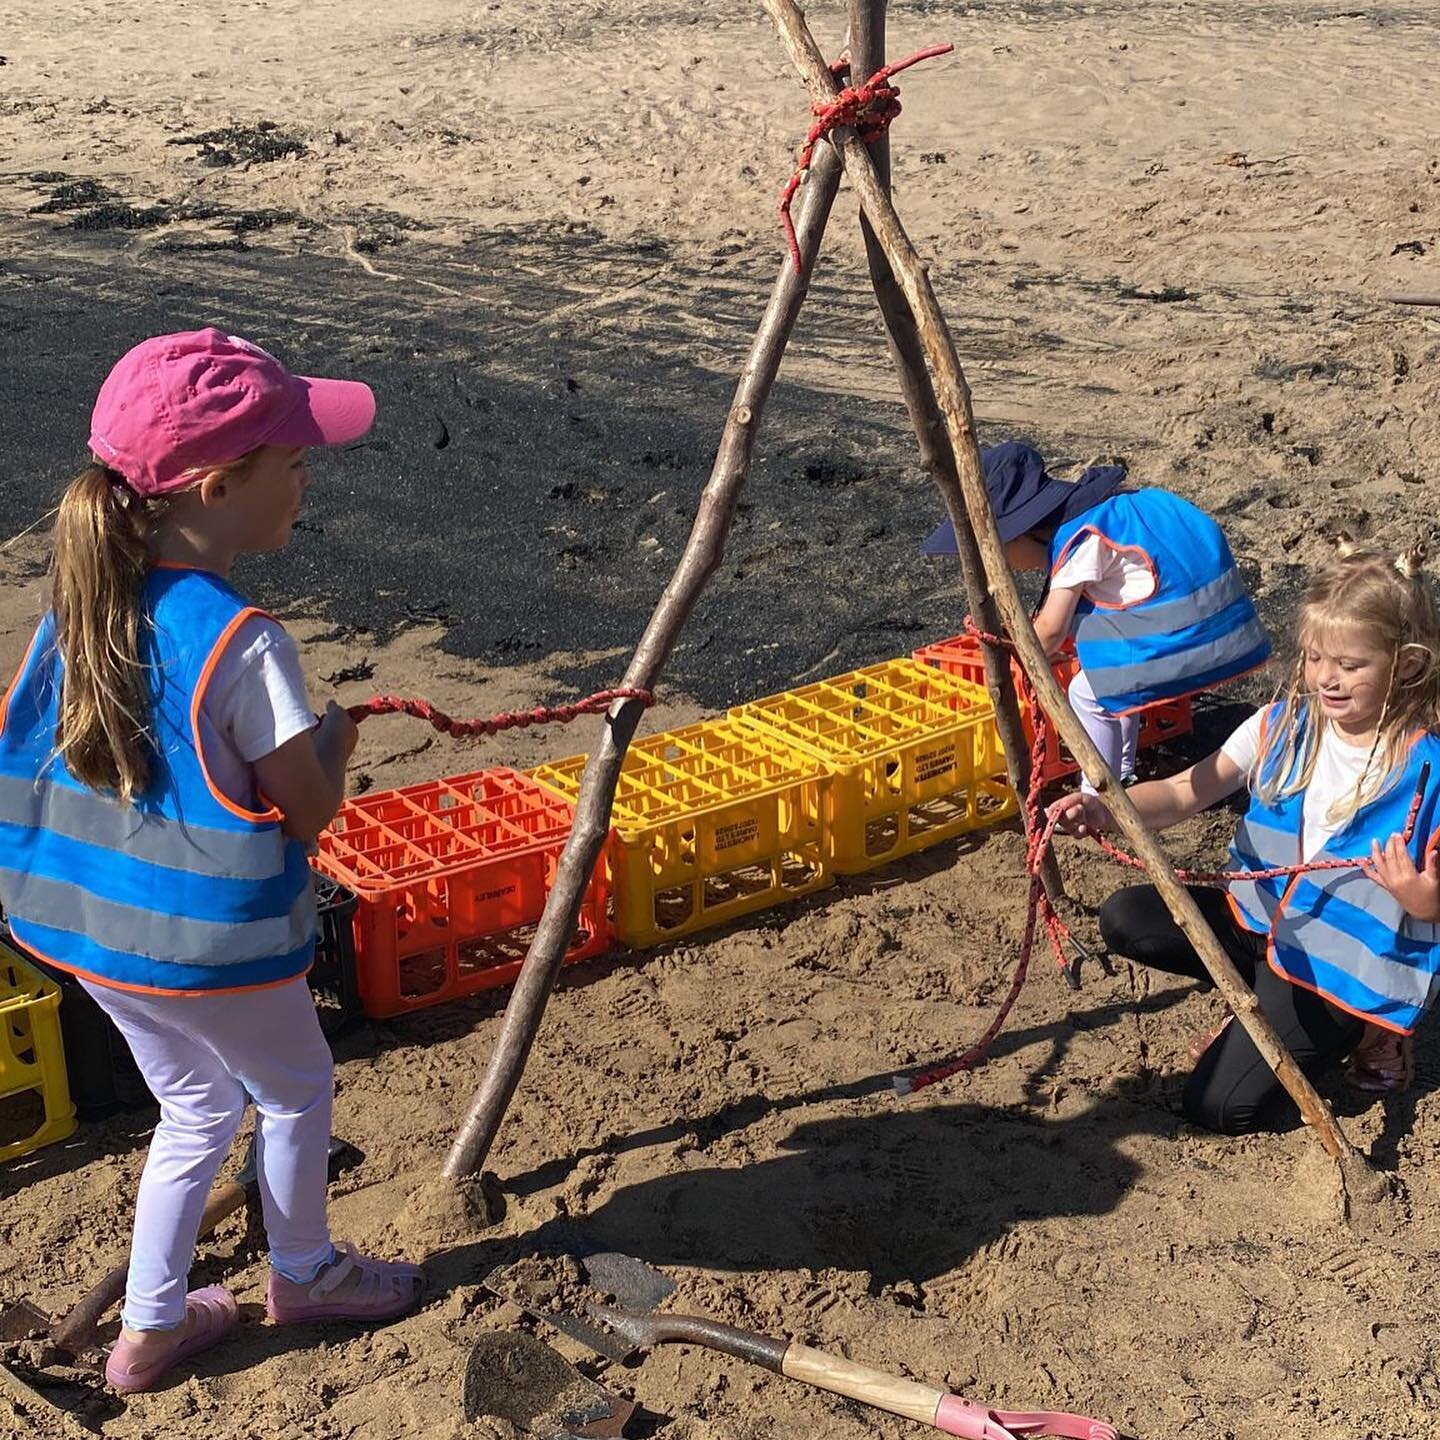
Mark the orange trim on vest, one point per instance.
(1145, 559)
(273, 815)
(1239, 917)
(1328, 998)
(155, 989)
(1186, 695)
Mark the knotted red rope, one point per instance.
(867, 109)
(596, 704)
(1038, 838)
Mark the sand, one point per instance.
(544, 233)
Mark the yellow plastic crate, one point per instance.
(32, 1059)
(710, 822)
(913, 754)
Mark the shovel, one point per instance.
(927, 1404)
(635, 1285)
(521, 1379)
(74, 1334)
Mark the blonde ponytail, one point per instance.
(101, 552)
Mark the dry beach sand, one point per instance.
(544, 232)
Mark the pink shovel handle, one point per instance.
(959, 1416)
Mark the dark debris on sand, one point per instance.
(260, 143)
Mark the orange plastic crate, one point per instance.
(961, 655)
(1164, 720)
(452, 876)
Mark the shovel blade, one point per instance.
(22, 1319)
(634, 1284)
(515, 1377)
(591, 1336)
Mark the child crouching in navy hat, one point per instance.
(1143, 580)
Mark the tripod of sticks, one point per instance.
(938, 399)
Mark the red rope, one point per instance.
(867, 109)
(1038, 839)
(596, 704)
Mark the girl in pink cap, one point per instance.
(161, 774)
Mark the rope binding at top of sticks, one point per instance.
(867, 109)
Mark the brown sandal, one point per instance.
(1383, 1063)
(1204, 1039)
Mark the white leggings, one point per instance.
(203, 1056)
(1114, 735)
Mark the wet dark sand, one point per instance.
(520, 488)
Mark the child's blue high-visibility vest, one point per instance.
(1197, 629)
(1341, 933)
(183, 890)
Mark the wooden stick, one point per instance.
(699, 561)
(953, 395)
(867, 55)
(1412, 298)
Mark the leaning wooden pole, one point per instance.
(953, 395)
(867, 55)
(699, 561)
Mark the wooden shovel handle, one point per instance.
(859, 1382)
(76, 1332)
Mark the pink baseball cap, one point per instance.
(178, 403)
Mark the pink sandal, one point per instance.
(212, 1313)
(1383, 1063)
(351, 1287)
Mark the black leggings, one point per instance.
(1232, 1090)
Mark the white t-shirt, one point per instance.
(255, 702)
(1104, 574)
(1339, 768)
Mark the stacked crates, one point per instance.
(35, 1106)
(711, 822)
(911, 753)
(451, 878)
(961, 655)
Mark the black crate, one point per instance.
(103, 1077)
(332, 978)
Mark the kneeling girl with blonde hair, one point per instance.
(1344, 765)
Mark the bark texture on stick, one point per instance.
(867, 55)
(701, 558)
(953, 395)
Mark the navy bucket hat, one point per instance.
(1023, 494)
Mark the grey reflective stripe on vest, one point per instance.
(1168, 616)
(1163, 669)
(1270, 847)
(1408, 984)
(1260, 847)
(175, 938)
(94, 819)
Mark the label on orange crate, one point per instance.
(496, 894)
(930, 763)
(738, 832)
